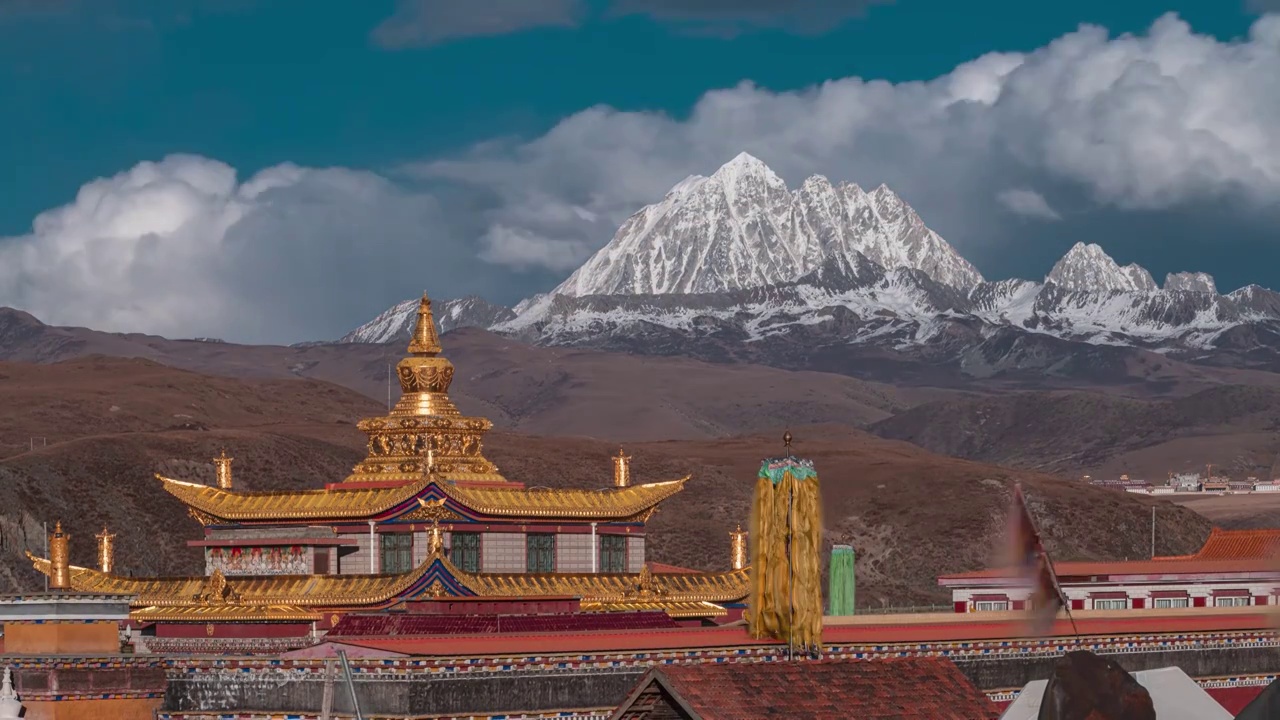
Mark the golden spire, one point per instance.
(738, 548)
(425, 341)
(425, 434)
(59, 559)
(106, 550)
(621, 469)
(224, 470)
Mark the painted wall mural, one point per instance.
(274, 560)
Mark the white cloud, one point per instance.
(1132, 122)
(1027, 203)
(180, 248)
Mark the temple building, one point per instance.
(424, 517)
(1233, 568)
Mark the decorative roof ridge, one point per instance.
(353, 487)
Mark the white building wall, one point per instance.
(357, 563)
(635, 553)
(503, 552)
(1082, 592)
(573, 553)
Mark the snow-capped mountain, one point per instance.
(737, 257)
(1087, 268)
(742, 227)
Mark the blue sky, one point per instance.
(437, 114)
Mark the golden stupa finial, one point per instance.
(425, 341)
(738, 548)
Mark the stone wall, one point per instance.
(1006, 673)
(421, 691)
(434, 695)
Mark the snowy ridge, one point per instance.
(738, 257)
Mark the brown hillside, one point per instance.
(554, 391)
(1233, 427)
(910, 514)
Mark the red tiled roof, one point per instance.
(909, 687)
(1225, 551)
(1236, 545)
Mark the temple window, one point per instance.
(397, 552)
(613, 553)
(541, 553)
(1233, 601)
(1165, 603)
(991, 605)
(1111, 604)
(464, 551)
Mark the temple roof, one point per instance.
(435, 576)
(224, 613)
(369, 502)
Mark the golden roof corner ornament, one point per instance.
(425, 341)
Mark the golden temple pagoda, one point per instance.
(425, 516)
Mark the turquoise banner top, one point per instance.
(773, 468)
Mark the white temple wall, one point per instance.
(635, 553)
(573, 553)
(503, 553)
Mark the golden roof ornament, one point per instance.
(106, 550)
(621, 469)
(223, 465)
(59, 559)
(738, 548)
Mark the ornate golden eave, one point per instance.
(355, 591)
(224, 614)
(357, 503)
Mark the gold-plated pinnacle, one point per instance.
(786, 438)
(425, 341)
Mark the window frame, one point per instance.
(1170, 603)
(395, 553)
(612, 548)
(1111, 604)
(470, 561)
(1232, 601)
(540, 552)
(990, 605)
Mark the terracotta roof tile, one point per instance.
(898, 688)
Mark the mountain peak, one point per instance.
(1190, 282)
(1088, 268)
(742, 227)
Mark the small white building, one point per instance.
(1234, 568)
